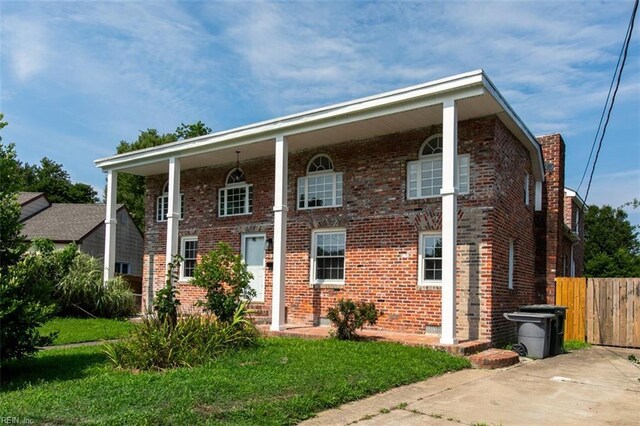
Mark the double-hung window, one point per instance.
(162, 205)
(189, 253)
(321, 187)
(122, 268)
(430, 259)
(424, 176)
(236, 198)
(327, 256)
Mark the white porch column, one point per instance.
(449, 220)
(279, 235)
(110, 226)
(173, 215)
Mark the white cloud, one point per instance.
(27, 46)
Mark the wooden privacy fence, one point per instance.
(604, 310)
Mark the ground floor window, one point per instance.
(122, 268)
(189, 253)
(430, 259)
(327, 256)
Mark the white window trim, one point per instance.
(526, 189)
(247, 206)
(166, 194)
(422, 282)
(432, 157)
(183, 241)
(305, 179)
(312, 258)
(511, 263)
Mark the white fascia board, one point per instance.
(568, 192)
(427, 94)
(534, 145)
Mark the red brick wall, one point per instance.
(382, 228)
(511, 219)
(550, 221)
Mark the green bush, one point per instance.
(25, 304)
(348, 316)
(82, 291)
(194, 340)
(224, 275)
(166, 302)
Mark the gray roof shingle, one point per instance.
(25, 197)
(65, 222)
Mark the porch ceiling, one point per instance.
(392, 112)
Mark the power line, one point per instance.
(626, 43)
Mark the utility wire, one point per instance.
(602, 115)
(626, 43)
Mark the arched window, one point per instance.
(236, 198)
(162, 204)
(322, 186)
(424, 176)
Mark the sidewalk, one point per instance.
(595, 386)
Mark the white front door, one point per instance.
(253, 255)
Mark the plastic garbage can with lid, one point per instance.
(533, 329)
(556, 336)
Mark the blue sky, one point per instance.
(78, 77)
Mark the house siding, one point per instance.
(382, 230)
(129, 243)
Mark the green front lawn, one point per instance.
(76, 330)
(282, 381)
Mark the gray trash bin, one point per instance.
(556, 336)
(533, 332)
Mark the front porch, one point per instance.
(462, 347)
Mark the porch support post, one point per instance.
(173, 215)
(449, 220)
(279, 235)
(110, 226)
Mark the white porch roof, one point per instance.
(390, 112)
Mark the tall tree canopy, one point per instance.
(611, 247)
(131, 188)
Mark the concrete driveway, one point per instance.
(595, 386)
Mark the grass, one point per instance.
(282, 381)
(574, 345)
(76, 330)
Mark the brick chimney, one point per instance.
(549, 221)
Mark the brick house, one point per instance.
(434, 201)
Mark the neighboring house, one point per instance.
(84, 225)
(434, 201)
(573, 244)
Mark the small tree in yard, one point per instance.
(348, 316)
(166, 301)
(224, 275)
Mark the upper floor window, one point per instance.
(526, 189)
(322, 186)
(162, 205)
(236, 198)
(424, 176)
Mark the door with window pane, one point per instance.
(253, 255)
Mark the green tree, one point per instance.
(611, 247)
(50, 177)
(131, 188)
(12, 243)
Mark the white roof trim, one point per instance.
(474, 83)
(568, 192)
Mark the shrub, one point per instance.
(166, 301)
(224, 275)
(194, 340)
(348, 316)
(82, 290)
(25, 304)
